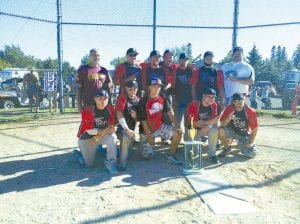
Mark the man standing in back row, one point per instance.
(238, 75)
(90, 79)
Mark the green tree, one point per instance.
(16, 57)
(255, 59)
(116, 61)
(4, 64)
(273, 53)
(185, 48)
(84, 60)
(296, 57)
(226, 59)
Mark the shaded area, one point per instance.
(137, 211)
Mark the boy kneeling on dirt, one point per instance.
(239, 121)
(97, 128)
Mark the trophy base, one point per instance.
(192, 171)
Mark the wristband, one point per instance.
(123, 123)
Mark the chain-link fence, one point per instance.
(114, 26)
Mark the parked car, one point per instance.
(262, 85)
(13, 94)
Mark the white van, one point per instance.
(9, 73)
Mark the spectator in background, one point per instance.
(253, 96)
(238, 75)
(31, 82)
(90, 79)
(73, 86)
(129, 70)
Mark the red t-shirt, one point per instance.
(125, 70)
(126, 105)
(96, 119)
(151, 110)
(199, 112)
(250, 115)
(92, 79)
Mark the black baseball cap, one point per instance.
(237, 96)
(238, 49)
(209, 91)
(168, 52)
(208, 53)
(155, 53)
(102, 92)
(183, 56)
(155, 81)
(131, 51)
(131, 83)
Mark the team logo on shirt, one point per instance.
(156, 107)
(238, 123)
(100, 122)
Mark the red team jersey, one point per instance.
(96, 119)
(151, 110)
(249, 112)
(198, 112)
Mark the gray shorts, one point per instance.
(165, 131)
(230, 133)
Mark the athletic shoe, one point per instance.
(225, 152)
(122, 167)
(213, 159)
(111, 167)
(78, 157)
(250, 152)
(173, 160)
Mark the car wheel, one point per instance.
(8, 104)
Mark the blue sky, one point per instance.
(39, 39)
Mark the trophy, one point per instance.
(192, 153)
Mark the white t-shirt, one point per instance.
(241, 70)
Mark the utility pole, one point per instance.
(235, 23)
(59, 54)
(154, 25)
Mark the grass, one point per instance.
(21, 115)
(276, 113)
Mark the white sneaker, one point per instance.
(111, 166)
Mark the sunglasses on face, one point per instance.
(237, 101)
(131, 89)
(132, 55)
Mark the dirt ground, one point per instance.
(40, 182)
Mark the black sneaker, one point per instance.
(78, 157)
(225, 152)
(122, 168)
(213, 159)
(173, 160)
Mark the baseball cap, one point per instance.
(168, 52)
(208, 53)
(209, 91)
(236, 49)
(131, 83)
(131, 51)
(155, 53)
(183, 56)
(237, 96)
(102, 92)
(155, 81)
